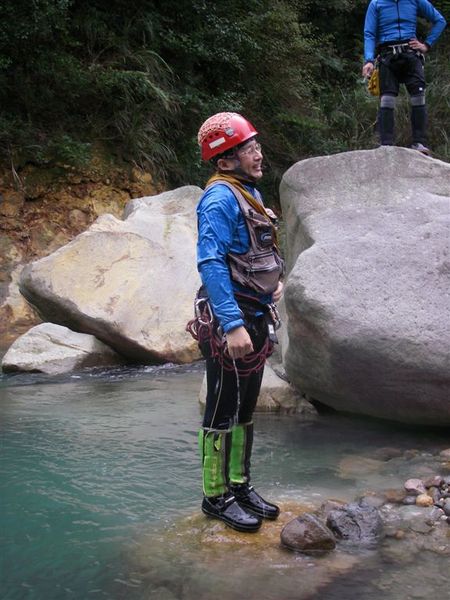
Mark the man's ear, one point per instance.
(226, 164)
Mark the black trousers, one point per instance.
(231, 396)
(402, 68)
(407, 68)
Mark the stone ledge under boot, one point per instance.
(249, 499)
(226, 509)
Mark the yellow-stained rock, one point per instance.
(424, 500)
(11, 203)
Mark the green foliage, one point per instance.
(443, 6)
(75, 73)
(138, 77)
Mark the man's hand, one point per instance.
(367, 70)
(276, 296)
(238, 342)
(416, 45)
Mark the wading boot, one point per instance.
(239, 474)
(218, 502)
(231, 513)
(249, 499)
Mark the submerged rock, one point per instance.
(358, 466)
(367, 293)
(53, 349)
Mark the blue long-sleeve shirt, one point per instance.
(396, 20)
(222, 229)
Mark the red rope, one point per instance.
(204, 329)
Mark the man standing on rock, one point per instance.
(390, 38)
(240, 268)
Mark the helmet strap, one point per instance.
(237, 172)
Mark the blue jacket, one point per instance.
(395, 20)
(222, 229)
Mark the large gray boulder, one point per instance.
(131, 283)
(53, 349)
(368, 293)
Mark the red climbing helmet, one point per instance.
(223, 131)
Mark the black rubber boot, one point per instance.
(419, 125)
(251, 500)
(226, 509)
(239, 473)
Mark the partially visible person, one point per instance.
(240, 268)
(390, 36)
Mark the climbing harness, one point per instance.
(205, 329)
(397, 48)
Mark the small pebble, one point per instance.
(424, 500)
(409, 500)
(415, 486)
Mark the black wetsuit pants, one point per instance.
(231, 399)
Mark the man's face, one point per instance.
(250, 157)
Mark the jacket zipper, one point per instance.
(253, 269)
(398, 22)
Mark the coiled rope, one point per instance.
(204, 328)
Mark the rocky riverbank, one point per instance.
(42, 210)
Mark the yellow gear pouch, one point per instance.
(373, 85)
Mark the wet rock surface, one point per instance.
(418, 507)
(198, 555)
(376, 531)
(355, 523)
(307, 534)
(415, 487)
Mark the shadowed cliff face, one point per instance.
(42, 210)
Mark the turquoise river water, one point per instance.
(94, 463)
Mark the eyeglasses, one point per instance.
(251, 150)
